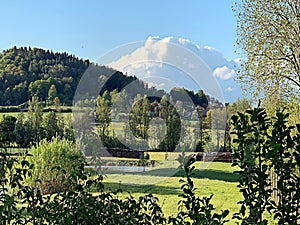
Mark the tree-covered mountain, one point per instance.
(26, 72)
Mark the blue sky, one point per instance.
(91, 28)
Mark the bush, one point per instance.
(54, 163)
(265, 148)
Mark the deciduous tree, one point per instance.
(52, 94)
(269, 37)
(7, 126)
(35, 117)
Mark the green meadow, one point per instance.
(210, 178)
(215, 178)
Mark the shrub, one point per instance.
(267, 146)
(54, 163)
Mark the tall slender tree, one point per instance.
(139, 117)
(23, 132)
(35, 117)
(102, 115)
(52, 94)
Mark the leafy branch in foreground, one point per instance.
(266, 146)
(84, 201)
(194, 210)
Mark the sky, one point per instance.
(89, 29)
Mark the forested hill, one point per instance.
(25, 72)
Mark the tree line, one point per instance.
(148, 120)
(165, 123)
(28, 129)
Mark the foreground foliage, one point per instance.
(86, 202)
(265, 148)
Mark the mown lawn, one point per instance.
(209, 178)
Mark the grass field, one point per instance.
(215, 178)
(163, 181)
(16, 114)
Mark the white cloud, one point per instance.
(224, 73)
(209, 48)
(229, 89)
(159, 86)
(159, 57)
(183, 41)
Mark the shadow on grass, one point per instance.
(212, 175)
(205, 173)
(166, 190)
(145, 189)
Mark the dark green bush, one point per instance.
(264, 146)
